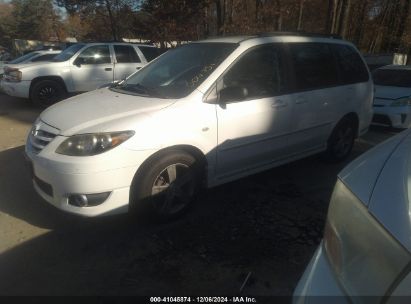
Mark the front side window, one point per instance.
(97, 54)
(259, 73)
(352, 68)
(126, 54)
(395, 78)
(178, 72)
(314, 66)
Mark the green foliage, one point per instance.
(28, 19)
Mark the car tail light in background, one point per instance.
(364, 256)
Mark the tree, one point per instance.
(113, 12)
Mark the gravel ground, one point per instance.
(266, 226)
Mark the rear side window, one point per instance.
(259, 71)
(314, 66)
(352, 68)
(126, 54)
(149, 52)
(46, 57)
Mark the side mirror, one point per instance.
(233, 93)
(78, 62)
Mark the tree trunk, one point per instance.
(359, 30)
(112, 21)
(329, 20)
(345, 17)
(300, 15)
(280, 16)
(403, 21)
(219, 16)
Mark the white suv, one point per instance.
(203, 114)
(79, 68)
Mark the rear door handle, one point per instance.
(108, 69)
(137, 68)
(279, 104)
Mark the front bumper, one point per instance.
(56, 177)
(16, 89)
(397, 117)
(318, 283)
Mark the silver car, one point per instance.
(366, 250)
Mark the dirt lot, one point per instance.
(268, 225)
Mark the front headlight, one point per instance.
(406, 101)
(13, 75)
(92, 144)
(364, 256)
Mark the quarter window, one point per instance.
(125, 54)
(352, 68)
(259, 72)
(97, 54)
(314, 66)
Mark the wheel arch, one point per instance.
(353, 117)
(192, 150)
(52, 78)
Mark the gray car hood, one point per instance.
(97, 108)
(380, 178)
(388, 92)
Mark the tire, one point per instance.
(341, 141)
(47, 92)
(166, 187)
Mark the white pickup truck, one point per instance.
(79, 68)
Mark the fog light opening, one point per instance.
(78, 200)
(88, 200)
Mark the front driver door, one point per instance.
(92, 68)
(251, 130)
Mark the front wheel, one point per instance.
(341, 141)
(167, 185)
(46, 92)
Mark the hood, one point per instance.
(390, 200)
(27, 65)
(391, 93)
(363, 172)
(100, 107)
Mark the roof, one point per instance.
(241, 38)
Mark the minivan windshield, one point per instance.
(68, 52)
(393, 77)
(178, 72)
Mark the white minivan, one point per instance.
(202, 114)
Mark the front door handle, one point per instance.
(279, 104)
(137, 68)
(108, 69)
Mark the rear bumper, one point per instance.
(318, 283)
(16, 89)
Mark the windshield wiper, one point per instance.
(149, 91)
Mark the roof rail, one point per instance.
(301, 34)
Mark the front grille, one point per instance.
(40, 138)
